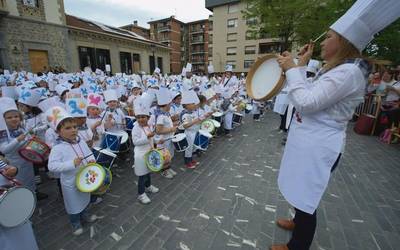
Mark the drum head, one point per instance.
(31, 156)
(216, 123)
(265, 78)
(207, 125)
(217, 114)
(16, 206)
(154, 160)
(179, 137)
(90, 178)
(205, 133)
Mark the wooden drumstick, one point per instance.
(319, 37)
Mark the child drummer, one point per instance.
(191, 123)
(142, 138)
(113, 118)
(67, 157)
(93, 121)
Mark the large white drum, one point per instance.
(265, 78)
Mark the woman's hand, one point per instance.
(286, 61)
(305, 54)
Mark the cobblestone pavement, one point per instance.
(231, 200)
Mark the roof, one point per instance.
(198, 21)
(166, 19)
(210, 4)
(82, 23)
(130, 26)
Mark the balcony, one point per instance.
(165, 28)
(194, 52)
(196, 31)
(198, 62)
(197, 41)
(3, 8)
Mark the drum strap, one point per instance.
(227, 82)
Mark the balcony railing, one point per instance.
(197, 41)
(164, 28)
(201, 30)
(198, 52)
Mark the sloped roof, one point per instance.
(82, 23)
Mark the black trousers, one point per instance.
(282, 126)
(143, 183)
(305, 225)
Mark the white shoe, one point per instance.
(144, 199)
(152, 189)
(172, 172)
(97, 201)
(92, 218)
(78, 231)
(167, 174)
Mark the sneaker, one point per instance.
(90, 219)
(144, 199)
(190, 165)
(78, 231)
(97, 201)
(172, 172)
(152, 189)
(38, 180)
(167, 174)
(195, 162)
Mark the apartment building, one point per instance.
(198, 45)
(230, 41)
(144, 32)
(173, 33)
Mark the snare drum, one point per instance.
(208, 125)
(35, 151)
(17, 205)
(202, 140)
(104, 157)
(216, 124)
(125, 143)
(111, 142)
(180, 142)
(237, 118)
(93, 178)
(157, 159)
(129, 121)
(217, 116)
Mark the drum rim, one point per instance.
(31, 213)
(174, 139)
(278, 86)
(101, 193)
(80, 172)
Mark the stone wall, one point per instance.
(24, 34)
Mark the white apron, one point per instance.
(142, 146)
(281, 103)
(311, 150)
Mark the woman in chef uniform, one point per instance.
(317, 135)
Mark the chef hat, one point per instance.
(210, 69)
(141, 106)
(157, 70)
(228, 68)
(110, 95)
(94, 100)
(188, 68)
(49, 103)
(190, 97)
(30, 97)
(7, 104)
(135, 85)
(9, 91)
(76, 107)
(60, 89)
(313, 66)
(55, 115)
(366, 18)
(152, 83)
(164, 96)
(209, 93)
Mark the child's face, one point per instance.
(69, 131)
(136, 91)
(93, 111)
(80, 121)
(142, 120)
(13, 119)
(177, 100)
(112, 104)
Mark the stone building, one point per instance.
(33, 35)
(95, 44)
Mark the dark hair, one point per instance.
(178, 95)
(65, 121)
(202, 98)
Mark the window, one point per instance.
(152, 64)
(210, 26)
(249, 50)
(231, 37)
(232, 23)
(251, 21)
(210, 38)
(136, 62)
(232, 63)
(248, 63)
(210, 51)
(126, 62)
(233, 8)
(269, 48)
(231, 51)
(160, 63)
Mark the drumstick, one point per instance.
(320, 36)
(87, 156)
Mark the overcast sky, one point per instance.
(122, 12)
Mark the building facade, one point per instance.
(33, 35)
(96, 45)
(137, 29)
(230, 41)
(198, 45)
